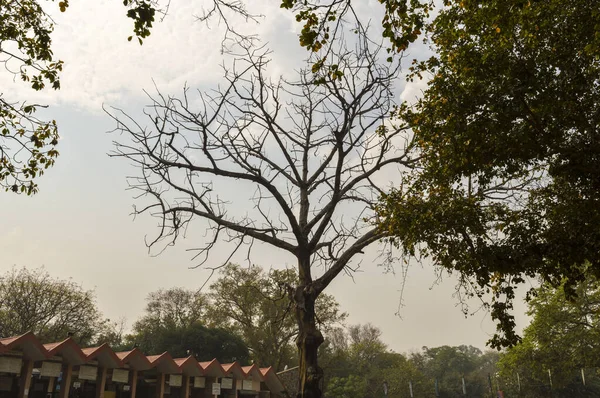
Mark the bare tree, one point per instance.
(312, 150)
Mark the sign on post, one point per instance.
(216, 389)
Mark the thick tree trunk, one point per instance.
(308, 342)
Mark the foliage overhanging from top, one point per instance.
(28, 144)
(509, 178)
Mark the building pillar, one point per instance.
(51, 382)
(133, 376)
(100, 382)
(160, 385)
(65, 384)
(208, 387)
(25, 379)
(185, 387)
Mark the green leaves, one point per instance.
(51, 308)
(563, 337)
(27, 144)
(33, 142)
(508, 132)
(142, 12)
(403, 23)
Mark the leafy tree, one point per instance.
(254, 305)
(360, 367)
(175, 321)
(508, 133)
(174, 310)
(563, 338)
(196, 339)
(449, 365)
(346, 387)
(174, 307)
(28, 145)
(113, 333)
(53, 309)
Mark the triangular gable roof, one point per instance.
(105, 356)
(272, 380)
(234, 369)
(28, 344)
(68, 349)
(163, 363)
(135, 359)
(212, 368)
(189, 366)
(253, 371)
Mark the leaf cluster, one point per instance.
(28, 145)
(507, 130)
(31, 300)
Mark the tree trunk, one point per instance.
(308, 342)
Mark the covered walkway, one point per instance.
(30, 369)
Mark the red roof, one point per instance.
(233, 368)
(71, 353)
(134, 358)
(271, 379)
(252, 370)
(212, 368)
(28, 344)
(164, 363)
(68, 350)
(189, 366)
(104, 355)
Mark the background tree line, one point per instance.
(244, 315)
(357, 364)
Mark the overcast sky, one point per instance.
(79, 225)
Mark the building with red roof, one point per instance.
(30, 369)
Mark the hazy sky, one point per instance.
(79, 225)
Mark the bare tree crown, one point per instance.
(312, 149)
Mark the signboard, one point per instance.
(216, 389)
(87, 372)
(10, 365)
(199, 382)
(126, 387)
(247, 385)
(50, 369)
(175, 380)
(77, 384)
(226, 382)
(120, 376)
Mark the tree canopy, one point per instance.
(254, 304)
(363, 363)
(563, 338)
(507, 130)
(53, 309)
(28, 145)
(245, 307)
